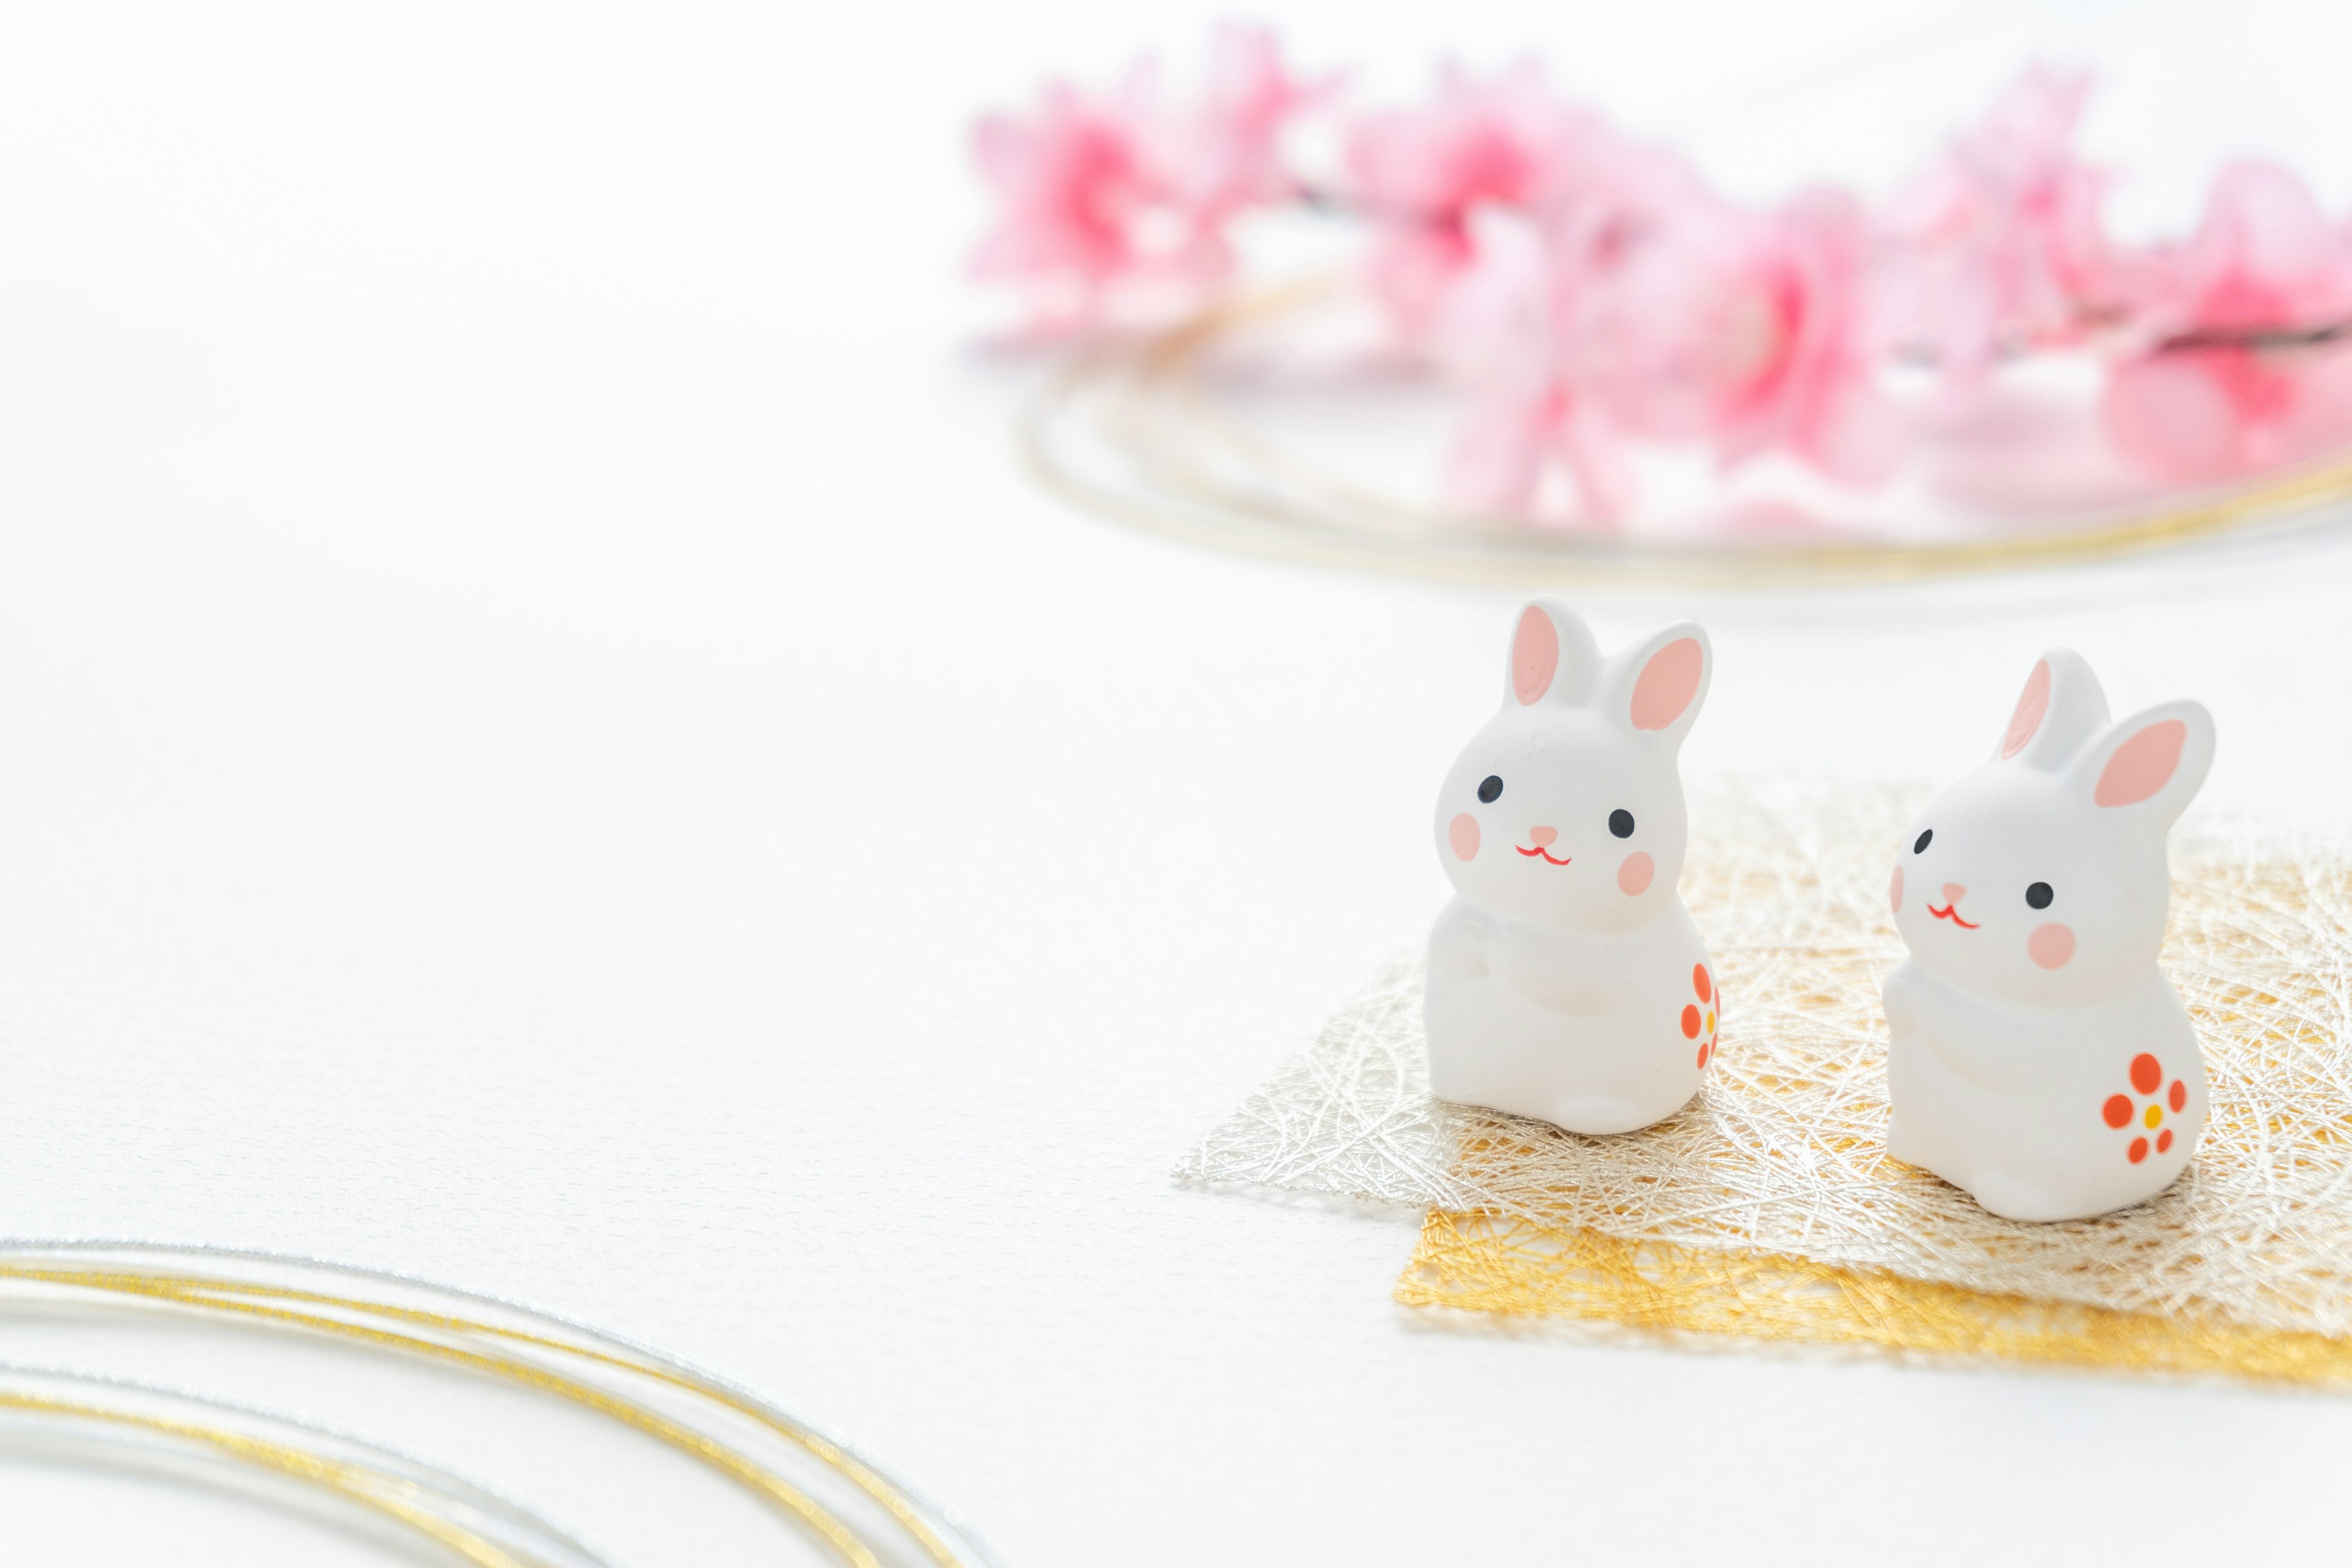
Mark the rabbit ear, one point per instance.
(2151, 763)
(2060, 710)
(1658, 685)
(1553, 656)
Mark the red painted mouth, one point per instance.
(1951, 912)
(1546, 854)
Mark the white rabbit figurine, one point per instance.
(2039, 1057)
(1567, 981)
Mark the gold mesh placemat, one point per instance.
(1783, 1152)
(1499, 1264)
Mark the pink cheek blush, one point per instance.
(1462, 834)
(1633, 876)
(2050, 945)
(1894, 893)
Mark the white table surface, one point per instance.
(547, 745)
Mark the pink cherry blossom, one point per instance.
(1594, 298)
(2249, 367)
(1108, 202)
(1421, 175)
(1999, 246)
(1797, 364)
(1533, 318)
(1224, 152)
(1075, 197)
(1642, 306)
(1503, 454)
(1507, 332)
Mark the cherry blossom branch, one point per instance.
(1592, 294)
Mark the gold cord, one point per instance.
(357, 1483)
(1146, 404)
(281, 1305)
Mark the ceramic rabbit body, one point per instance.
(1567, 981)
(2039, 1058)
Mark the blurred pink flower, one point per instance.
(1421, 175)
(1506, 331)
(1999, 246)
(1224, 153)
(1642, 306)
(1800, 364)
(1595, 299)
(1114, 201)
(2264, 260)
(1500, 460)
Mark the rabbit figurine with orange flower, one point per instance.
(1567, 982)
(2039, 1058)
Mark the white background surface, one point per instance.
(547, 745)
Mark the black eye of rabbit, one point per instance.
(1919, 845)
(1490, 789)
(2038, 896)
(1620, 823)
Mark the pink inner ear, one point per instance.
(2142, 764)
(1535, 654)
(2032, 704)
(1667, 684)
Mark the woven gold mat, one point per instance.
(1502, 1265)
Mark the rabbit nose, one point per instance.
(1545, 837)
(1953, 894)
